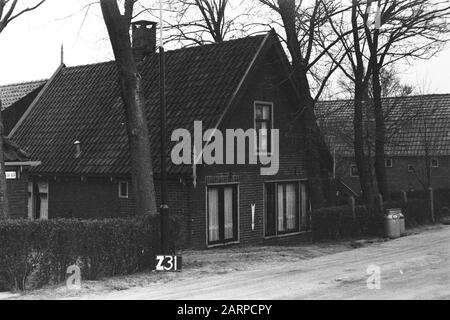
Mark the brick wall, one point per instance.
(87, 198)
(72, 197)
(399, 179)
(178, 201)
(267, 85)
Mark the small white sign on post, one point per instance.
(168, 263)
(11, 175)
(253, 216)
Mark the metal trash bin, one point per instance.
(392, 224)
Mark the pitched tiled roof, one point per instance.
(14, 113)
(83, 103)
(11, 93)
(413, 124)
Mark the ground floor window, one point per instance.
(123, 189)
(222, 214)
(286, 208)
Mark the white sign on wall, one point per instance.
(11, 175)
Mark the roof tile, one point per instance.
(413, 123)
(84, 103)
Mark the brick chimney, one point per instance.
(144, 39)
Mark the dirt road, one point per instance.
(414, 267)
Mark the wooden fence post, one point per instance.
(352, 203)
(379, 204)
(431, 203)
(404, 197)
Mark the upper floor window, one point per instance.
(388, 163)
(411, 168)
(263, 126)
(354, 171)
(434, 163)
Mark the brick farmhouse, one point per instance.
(417, 138)
(75, 126)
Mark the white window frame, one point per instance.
(437, 161)
(283, 235)
(272, 121)
(388, 160)
(215, 185)
(120, 189)
(411, 170)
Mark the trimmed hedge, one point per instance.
(336, 222)
(36, 253)
(417, 212)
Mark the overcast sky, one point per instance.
(30, 46)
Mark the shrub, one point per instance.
(35, 253)
(394, 204)
(417, 212)
(335, 222)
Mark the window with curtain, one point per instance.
(286, 207)
(263, 125)
(222, 214)
(213, 214)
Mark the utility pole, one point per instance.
(164, 212)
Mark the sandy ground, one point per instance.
(413, 267)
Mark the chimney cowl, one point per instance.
(77, 145)
(144, 39)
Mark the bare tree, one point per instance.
(197, 22)
(118, 26)
(9, 11)
(359, 74)
(408, 29)
(391, 85)
(305, 25)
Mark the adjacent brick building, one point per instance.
(418, 137)
(15, 100)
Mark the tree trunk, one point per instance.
(380, 135)
(134, 102)
(4, 204)
(363, 164)
(288, 15)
